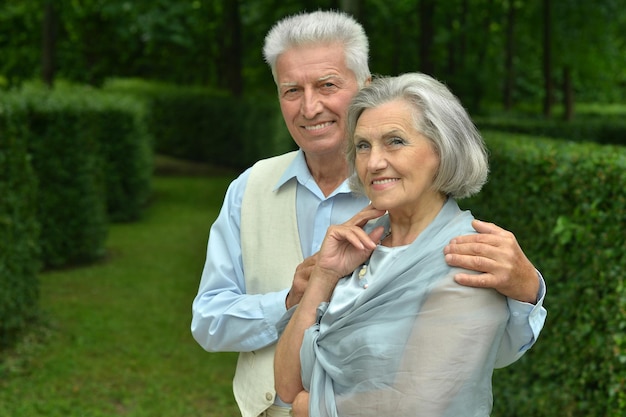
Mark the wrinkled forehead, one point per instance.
(324, 59)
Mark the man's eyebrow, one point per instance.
(328, 77)
(288, 84)
(322, 78)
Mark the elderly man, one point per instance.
(262, 246)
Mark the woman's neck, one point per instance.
(405, 226)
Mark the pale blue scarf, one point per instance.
(413, 342)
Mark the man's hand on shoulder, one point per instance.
(496, 254)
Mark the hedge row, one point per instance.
(19, 228)
(566, 203)
(71, 202)
(607, 129)
(90, 156)
(116, 124)
(208, 126)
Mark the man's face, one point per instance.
(315, 87)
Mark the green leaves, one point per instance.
(565, 202)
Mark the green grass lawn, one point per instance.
(115, 337)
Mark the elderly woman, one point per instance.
(383, 329)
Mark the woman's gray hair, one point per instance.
(439, 116)
(320, 27)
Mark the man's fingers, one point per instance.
(488, 233)
(478, 238)
(470, 250)
(475, 263)
(486, 227)
(473, 280)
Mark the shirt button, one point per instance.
(269, 396)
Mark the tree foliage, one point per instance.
(487, 51)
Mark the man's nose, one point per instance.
(311, 104)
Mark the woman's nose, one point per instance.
(377, 159)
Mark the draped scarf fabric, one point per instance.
(413, 342)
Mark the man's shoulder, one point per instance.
(276, 162)
(266, 173)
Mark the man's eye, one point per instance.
(291, 93)
(328, 86)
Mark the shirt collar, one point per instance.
(299, 170)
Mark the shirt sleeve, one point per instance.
(224, 317)
(525, 323)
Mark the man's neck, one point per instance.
(328, 171)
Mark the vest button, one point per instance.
(269, 396)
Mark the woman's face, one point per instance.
(396, 163)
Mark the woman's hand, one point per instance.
(346, 246)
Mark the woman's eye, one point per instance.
(361, 146)
(396, 141)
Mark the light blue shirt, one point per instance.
(225, 318)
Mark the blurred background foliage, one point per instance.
(91, 90)
(490, 52)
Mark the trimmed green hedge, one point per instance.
(566, 203)
(209, 126)
(607, 129)
(69, 164)
(19, 229)
(71, 160)
(93, 156)
(118, 125)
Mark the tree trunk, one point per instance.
(427, 36)
(463, 40)
(509, 53)
(486, 24)
(451, 47)
(232, 70)
(48, 44)
(477, 89)
(568, 94)
(547, 60)
(352, 7)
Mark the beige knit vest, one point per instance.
(271, 252)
